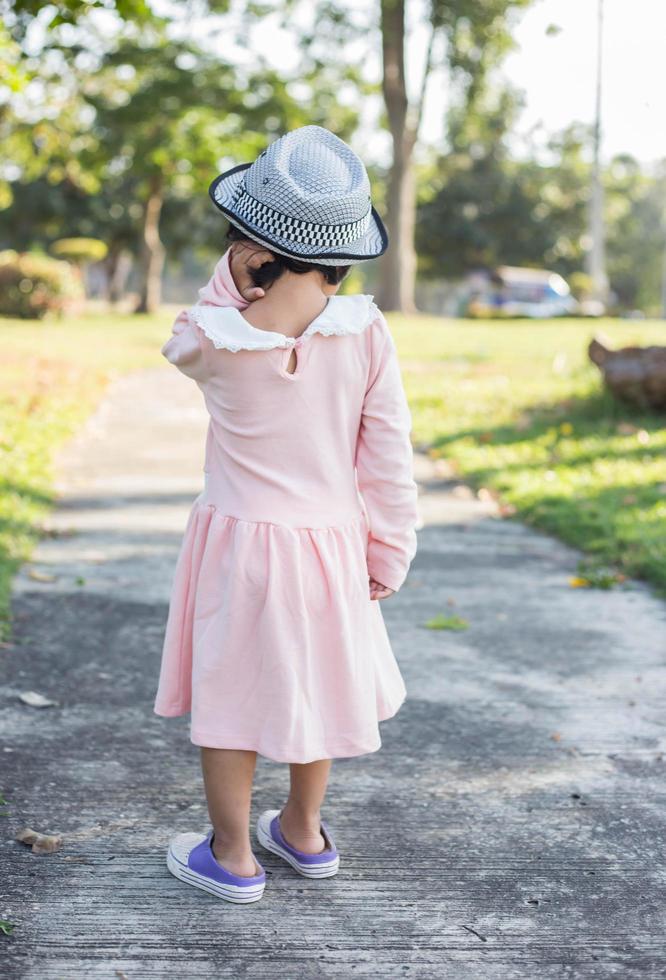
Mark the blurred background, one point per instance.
(516, 149)
(490, 129)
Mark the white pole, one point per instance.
(663, 282)
(596, 265)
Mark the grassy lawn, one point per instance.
(517, 409)
(514, 406)
(51, 376)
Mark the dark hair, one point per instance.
(266, 274)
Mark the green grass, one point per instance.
(517, 409)
(443, 622)
(52, 374)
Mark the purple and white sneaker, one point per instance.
(190, 858)
(322, 865)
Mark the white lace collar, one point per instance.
(227, 328)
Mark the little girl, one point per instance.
(275, 641)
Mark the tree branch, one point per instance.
(424, 84)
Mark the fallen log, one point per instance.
(633, 374)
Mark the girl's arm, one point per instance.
(384, 462)
(183, 349)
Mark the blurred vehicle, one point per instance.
(511, 291)
(591, 307)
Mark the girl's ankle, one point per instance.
(235, 857)
(307, 823)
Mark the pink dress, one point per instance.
(272, 642)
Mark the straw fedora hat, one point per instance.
(306, 196)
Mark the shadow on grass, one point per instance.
(19, 530)
(618, 524)
(26, 493)
(597, 414)
(608, 528)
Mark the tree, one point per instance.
(21, 13)
(466, 37)
(141, 120)
(480, 208)
(167, 113)
(636, 232)
(56, 181)
(476, 37)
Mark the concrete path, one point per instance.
(510, 827)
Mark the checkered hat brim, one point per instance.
(309, 241)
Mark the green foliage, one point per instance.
(13, 75)
(582, 285)
(478, 38)
(187, 111)
(79, 250)
(353, 281)
(594, 573)
(478, 207)
(134, 114)
(635, 218)
(22, 12)
(496, 210)
(33, 285)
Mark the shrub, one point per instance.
(582, 285)
(79, 250)
(33, 285)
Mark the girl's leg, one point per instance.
(300, 819)
(228, 775)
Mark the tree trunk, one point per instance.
(399, 264)
(153, 251)
(398, 269)
(116, 269)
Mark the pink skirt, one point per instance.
(272, 642)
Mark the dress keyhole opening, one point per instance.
(292, 362)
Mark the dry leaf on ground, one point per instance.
(462, 492)
(38, 576)
(36, 700)
(40, 843)
(486, 495)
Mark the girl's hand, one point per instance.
(245, 257)
(379, 591)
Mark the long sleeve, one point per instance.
(384, 465)
(185, 346)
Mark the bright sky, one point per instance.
(558, 72)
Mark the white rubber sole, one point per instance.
(325, 870)
(177, 855)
